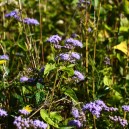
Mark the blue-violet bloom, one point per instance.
(24, 79)
(4, 57)
(3, 113)
(74, 42)
(30, 21)
(76, 123)
(54, 39)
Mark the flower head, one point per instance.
(118, 119)
(75, 112)
(4, 57)
(74, 42)
(125, 108)
(24, 79)
(75, 55)
(30, 21)
(26, 110)
(76, 123)
(54, 39)
(39, 124)
(3, 113)
(78, 75)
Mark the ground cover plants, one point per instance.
(64, 64)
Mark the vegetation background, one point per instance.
(103, 28)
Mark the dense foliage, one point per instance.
(64, 64)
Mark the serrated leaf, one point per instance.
(122, 47)
(46, 118)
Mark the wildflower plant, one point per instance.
(67, 61)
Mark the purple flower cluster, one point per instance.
(54, 39)
(107, 60)
(79, 118)
(125, 108)
(24, 79)
(3, 113)
(73, 42)
(79, 76)
(4, 57)
(13, 14)
(122, 122)
(25, 123)
(75, 112)
(29, 21)
(24, 112)
(76, 123)
(96, 107)
(71, 57)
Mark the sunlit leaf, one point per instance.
(69, 92)
(46, 118)
(122, 47)
(48, 68)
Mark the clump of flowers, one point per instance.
(118, 119)
(73, 42)
(15, 14)
(96, 107)
(79, 118)
(27, 123)
(79, 76)
(3, 113)
(125, 108)
(54, 39)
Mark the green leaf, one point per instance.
(69, 92)
(39, 86)
(46, 118)
(55, 116)
(107, 81)
(37, 96)
(48, 68)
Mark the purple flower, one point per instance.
(24, 112)
(57, 46)
(75, 55)
(107, 61)
(78, 75)
(4, 57)
(30, 21)
(11, 14)
(24, 79)
(125, 108)
(68, 46)
(21, 123)
(75, 112)
(118, 119)
(89, 30)
(39, 124)
(3, 113)
(76, 123)
(74, 42)
(54, 39)
(64, 56)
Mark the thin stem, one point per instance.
(53, 91)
